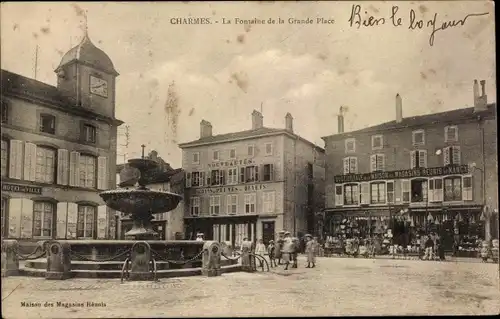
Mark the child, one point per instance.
(270, 252)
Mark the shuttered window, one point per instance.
(232, 204)
(16, 159)
(45, 164)
(268, 202)
(85, 227)
(87, 170)
(62, 167)
(5, 159)
(43, 215)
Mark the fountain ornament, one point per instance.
(141, 203)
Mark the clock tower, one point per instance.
(87, 76)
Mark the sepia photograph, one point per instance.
(248, 159)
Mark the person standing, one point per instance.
(429, 247)
(310, 251)
(287, 250)
(279, 246)
(270, 252)
(260, 249)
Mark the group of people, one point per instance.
(285, 250)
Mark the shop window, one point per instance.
(45, 165)
(87, 169)
(250, 203)
(197, 179)
(390, 192)
(268, 173)
(214, 205)
(339, 197)
(452, 155)
(418, 137)
(377, 162)
(418, 190)
(351, 194)
(85, 227)
(43, 214)
(451, 133)
(350, 165)
(232, 204)
(195, 206)
(5, 158)
(47, 123)
(232, 176)
(377, 142)
(350, 145)
(378, 194)
(89, 133)
(452, 189)
(216, 177)
(418, 159)
(467, 188)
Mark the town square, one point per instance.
(160, 162)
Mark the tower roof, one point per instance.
(87, 53)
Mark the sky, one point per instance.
(222, 72)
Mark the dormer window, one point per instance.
(350, 145)
(418, 137)
(47, 123)
(377, 142)
(451, 133)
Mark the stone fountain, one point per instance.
(141, 203)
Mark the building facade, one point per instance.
(436, 168)
(58, 147)
(168, 225)
(251, 183)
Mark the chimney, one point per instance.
(205, 129)
(340, 118)
(257, 120)
(399, 109)
(289, 122)
(480, 101)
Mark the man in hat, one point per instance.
(287, 250)
(279, 246)
(309, 251)
(199, 237)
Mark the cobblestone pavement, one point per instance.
(337, 286)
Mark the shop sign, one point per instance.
(408, 173)
(229, 189)
(21, 189)
(246, 161)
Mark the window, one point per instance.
(350, 165)
(197, 179)
(452, 189)
(351, 194)
(217, 177)
(250, 150)
(5, 112)
(5, 202)
(418, 137)
(377, 142)
(418, 159)
(86, 221)
(250, 203)
(350, 145)
(47, 123)
(188, 180)
(269, 148)
(339, 197)
(452, 155)
(89, 133)
(268, 202)
(216, 156)
(310, 172)
(378, 195)
(435, 190)
(87, 171)
(451, 133)
(195, 206)
(377, 162)
(268, 174)
(232, 204)
(405, 190)
(467, 188)
(249, 174)
(390, 192)
(232, 153)
(43, 213)
(232, 174)
(45, 165)
(214, 205)
(418, 190)
(5, 158)
(365, 196)
(196, 158)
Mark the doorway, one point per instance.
(268, 231)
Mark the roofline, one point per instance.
(283, 132)
(73, 61)
(374, 128)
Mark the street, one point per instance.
(336, 287)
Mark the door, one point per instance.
(268, 231)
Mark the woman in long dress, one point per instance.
(310, 251)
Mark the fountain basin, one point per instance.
(140, 200)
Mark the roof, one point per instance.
(242, 135)
(87, 53)
(23, 87)
(452, 116)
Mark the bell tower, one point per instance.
(87, 77)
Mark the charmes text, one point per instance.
(190, 20)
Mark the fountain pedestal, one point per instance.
(140, 260)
